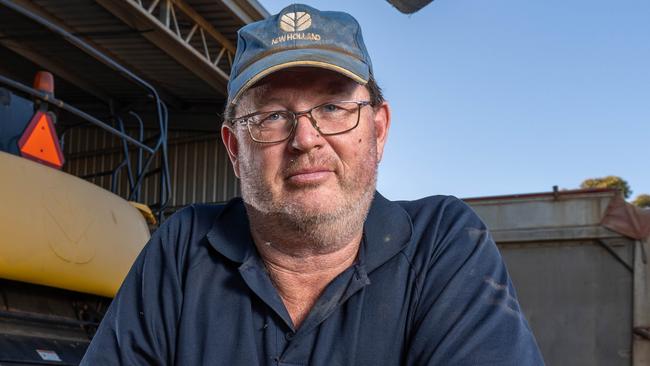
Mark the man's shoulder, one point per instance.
(428, 201)
(440, 224)
(198, 216)
(437, 206)
(189, 226)
(432, 214)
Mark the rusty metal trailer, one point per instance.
(584, 287)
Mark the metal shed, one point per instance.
(184, 48)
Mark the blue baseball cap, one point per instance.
(298, 35)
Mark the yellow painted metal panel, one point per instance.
(62, 231)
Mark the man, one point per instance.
(313, 267)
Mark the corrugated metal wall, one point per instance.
(199, 166)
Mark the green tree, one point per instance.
(610, 181)
(642, 200)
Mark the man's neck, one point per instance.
(300, 276)
(302, 262)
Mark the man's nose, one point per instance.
(305, 136)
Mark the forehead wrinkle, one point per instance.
(340, 88)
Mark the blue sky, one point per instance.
(509, 96)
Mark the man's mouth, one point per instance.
(309, 176)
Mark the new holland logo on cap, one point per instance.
(298, 36)
(295, 22)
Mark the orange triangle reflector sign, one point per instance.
(39, 141)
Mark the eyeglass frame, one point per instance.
(244, 119)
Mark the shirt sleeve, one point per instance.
(467, 312)
(139, 327)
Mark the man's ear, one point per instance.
(229, 139)
(382, 125)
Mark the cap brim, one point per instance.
(347, 65)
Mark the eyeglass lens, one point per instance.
(330, 118)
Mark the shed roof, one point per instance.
(182, 47)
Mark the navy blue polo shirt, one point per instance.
(428, 288)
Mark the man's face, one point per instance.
(309, 176)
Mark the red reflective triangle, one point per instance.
(39, 141)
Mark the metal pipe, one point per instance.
(114, 176)
(163, 154)
(59, 103)
(127, 156)
(138, 182)
(139, 162)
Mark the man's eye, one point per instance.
(271, 119)
(330, 108)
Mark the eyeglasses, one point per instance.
(331, 118)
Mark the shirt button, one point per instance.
(289, 336)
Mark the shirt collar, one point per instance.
(230, 234)
(387, 231)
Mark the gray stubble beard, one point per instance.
(284, 223)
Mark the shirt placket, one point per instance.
(285, 340)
